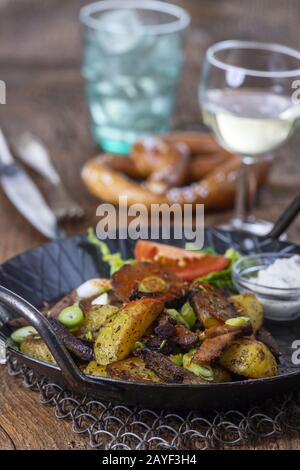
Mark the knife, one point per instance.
(25, 195)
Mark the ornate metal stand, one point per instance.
(109, 426)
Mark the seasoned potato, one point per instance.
(207, 320)
(94, 369)
(250, 358)
(37, 348)
(220, 374)
(96, 317)
(132, 369)
(249, 306)
(117, 338)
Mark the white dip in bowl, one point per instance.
(274, 278)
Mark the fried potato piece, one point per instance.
(37, 348)
(248, 306)
(220, 374)
(117, 338)
(249, 358)
(96, 316)
(132, 369)
(94, 369)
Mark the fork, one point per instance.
(32, 152)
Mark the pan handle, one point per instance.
(72, 375)
(285, 219)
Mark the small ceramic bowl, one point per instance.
(280, 304)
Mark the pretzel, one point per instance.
(179, 168)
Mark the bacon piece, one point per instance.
(212, 348)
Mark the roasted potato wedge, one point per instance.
(249, 306)
(249, 358)
(94, 369)
(132, 369)
(117, 338)
(96, 316)
(37, 348)
(220, 374)
(207, 320)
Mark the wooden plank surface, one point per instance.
(40, 63)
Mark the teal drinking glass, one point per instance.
(132, 58)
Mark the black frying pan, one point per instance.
(48, 272)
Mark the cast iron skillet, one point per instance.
(48, 272)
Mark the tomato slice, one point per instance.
(186, 264)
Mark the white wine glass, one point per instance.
(247, 96)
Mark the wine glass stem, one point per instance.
(247, 191)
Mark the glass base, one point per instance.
(112, 146)
(121, 141)
(256, 227)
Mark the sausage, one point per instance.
(73, 344)
(126, 282)
(210, 301)
(166, 370)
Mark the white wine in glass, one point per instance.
(246, 95)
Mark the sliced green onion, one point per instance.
(71, 317)
(207, 251)
(21, 334)
(138, 345)
(177, 359)
(163, 344)
(201, 335)
(152, 285)
(89, 336)
(206, 372)
(177, 316)
(237, 321)
(188, 314)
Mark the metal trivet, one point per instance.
(109, 426)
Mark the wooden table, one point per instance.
(40, 63)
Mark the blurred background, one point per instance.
(40, 55)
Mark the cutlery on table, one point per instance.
(25, 195)
(32, 152)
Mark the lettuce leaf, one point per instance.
(114, 260)
(221, 279)
(207, 251)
